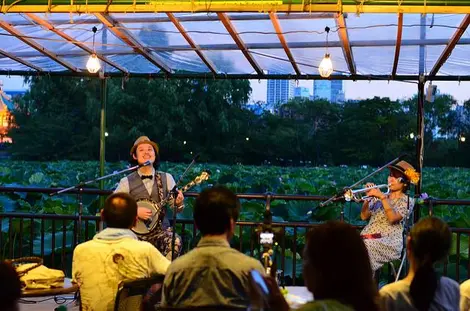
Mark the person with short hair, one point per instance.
(147, 183)
(213, 274)
(114, 255)
(422, 289)
(10, 287)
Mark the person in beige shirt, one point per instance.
(114, 255)
(213, 274)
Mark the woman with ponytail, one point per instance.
(422, 289)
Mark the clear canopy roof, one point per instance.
(243, 45)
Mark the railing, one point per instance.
(53, 237)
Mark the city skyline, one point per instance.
(353, 90)
(395, 90)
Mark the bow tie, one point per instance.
(146, 176)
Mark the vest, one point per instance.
(138, 191)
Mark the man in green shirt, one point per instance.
(213, 274)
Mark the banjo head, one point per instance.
(145, 226)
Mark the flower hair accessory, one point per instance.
(412, 175)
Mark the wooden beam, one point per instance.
(18, 34)
(198, 6)
(71, 40)
(450, 46)
(398, 45)
(280, 35)
(241, 45)
(20, 60)
(344, 39)
(125, 36)
(191, 43)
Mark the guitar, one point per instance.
(144, 227)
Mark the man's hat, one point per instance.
(144, 140)
(407, 170)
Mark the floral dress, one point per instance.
(389, 245)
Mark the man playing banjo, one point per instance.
(149, 187)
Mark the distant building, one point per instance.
(330, 90)
(301, 92)
(279, 91)
(259, 107)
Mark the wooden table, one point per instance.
(68, 288)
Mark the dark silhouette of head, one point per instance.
(429, 241)
(10, 287)
(216, 210)
(337, 267)
(120, 211)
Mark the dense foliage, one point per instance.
(59, 118)
(437, 182)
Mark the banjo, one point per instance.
(144, 227)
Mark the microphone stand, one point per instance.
(340, 195)
(80, 187)
(174, 194)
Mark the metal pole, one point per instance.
(420, 142)
(103, 89)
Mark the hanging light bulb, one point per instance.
(93, 64)
(326, 66)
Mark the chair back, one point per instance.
(133, 295)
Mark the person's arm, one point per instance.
(392, 215)
(179, 199)
(75, 266)
(123, 186)
(365, 212)
(157, 262)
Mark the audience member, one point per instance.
(10, 288)
(465, 296)
(114, 255)
(429, 241)
(336, 270)
(212, 274)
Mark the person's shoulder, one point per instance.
(394, 288)
(182, 263)
(465, 285)
(465, 289)
(83, 247)
(247, 261)
(445, 281)
(449, 284)
(140, 245)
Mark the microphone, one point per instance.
(145, 163)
